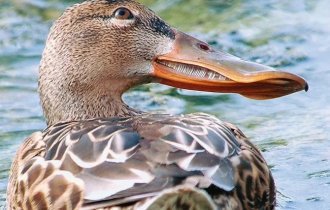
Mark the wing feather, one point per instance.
(127, 157)
(36, 183)
(119, 160)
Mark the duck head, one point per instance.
(99, 49)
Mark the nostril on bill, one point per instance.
(203, 47)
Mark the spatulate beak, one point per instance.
(193, 64)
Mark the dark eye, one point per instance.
(123, 14)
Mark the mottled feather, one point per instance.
(121, 160)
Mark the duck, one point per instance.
(99, 153)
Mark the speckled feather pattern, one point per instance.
(89, 58)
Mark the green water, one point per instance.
(293, 132)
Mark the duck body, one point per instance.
(124, 160)
(98, 153)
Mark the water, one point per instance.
(293, 132)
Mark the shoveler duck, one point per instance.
(98, 153)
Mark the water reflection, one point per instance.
(292, 131)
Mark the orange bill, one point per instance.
(194, 65)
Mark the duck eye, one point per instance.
(123, 14)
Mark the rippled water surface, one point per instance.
(293, 132)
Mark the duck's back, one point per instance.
(124, 160)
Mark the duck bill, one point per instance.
(194, 65)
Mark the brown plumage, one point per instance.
(98, 153)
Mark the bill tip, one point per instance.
(306, 87)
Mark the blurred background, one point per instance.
(293, 132)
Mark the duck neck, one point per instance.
(66, 104)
